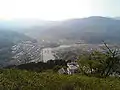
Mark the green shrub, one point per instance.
(12, 79)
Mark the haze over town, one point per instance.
(58, 44)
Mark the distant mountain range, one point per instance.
(91, 30)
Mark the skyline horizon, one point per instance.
(37, 19)
(57, 10)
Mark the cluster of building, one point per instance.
(72, 68)
(27, 51)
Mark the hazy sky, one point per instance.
(57, 9)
